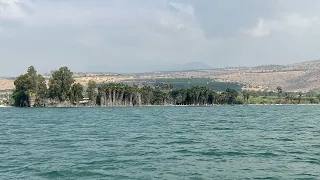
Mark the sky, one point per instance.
(144, 35)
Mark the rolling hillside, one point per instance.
(299, 77)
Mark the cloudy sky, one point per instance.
(147, 35)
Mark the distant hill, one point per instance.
(151, 67)
(190, 66)
(297, 77)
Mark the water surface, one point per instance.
(239, 142)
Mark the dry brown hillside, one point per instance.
(6, 84)
(289, 81)
(300, 77)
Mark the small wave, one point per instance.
(306, 176)
(182, 142)
(265, 177)
(183, 151)
(266, 154)
(218, 153)
(98, 162)
(315, 145)
(285, 139)
(313, 161)
(222, 129)
(138, 138)
(173, 158)
(55, 174)
(297, 152)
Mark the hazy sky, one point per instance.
(142, 35)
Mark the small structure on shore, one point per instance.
(5, 100)
(84, 102)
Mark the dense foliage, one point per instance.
(91, 91)
(60, 84)
(31, 90)
(76, 93)
(124, 95)
(184, 83)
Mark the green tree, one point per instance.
(287, 97)
(231, 95)
(212, 97)
(30, 89)
(146, 95)
(41, 91)
(312, 100)
(318, 96)
(91, 91)
(299, 97)
(60, 84)
(21, 93)
(279, 89)
(32, 75)
(76, 93)
(246, 96)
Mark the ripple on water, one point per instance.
(285, 139)
(266, 154)
(182, 142)
(220, 153)
(267, 142)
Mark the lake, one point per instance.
(227, 142)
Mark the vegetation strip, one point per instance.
(31, 90)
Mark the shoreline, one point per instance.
(3, 106)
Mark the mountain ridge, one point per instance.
(297, 77)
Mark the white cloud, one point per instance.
(183, 8)
(288, 23)
(261, 29)
(296, 20)
(14, 9)
(157, 33)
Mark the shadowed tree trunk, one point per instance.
(113, 97)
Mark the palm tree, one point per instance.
(299, 98)
(109, 91)
(113, 88)
(246, 96)
(76, 93)
(287, 96)
(212, 96)
(157, 98)
(279, 89)
(91, 91)
(146, 95)
(136, 100)
(291, 98)
(232, 95)
(318, 96)
(120, 101)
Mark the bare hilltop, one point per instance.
(299, 77)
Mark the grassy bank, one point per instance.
(277, 100)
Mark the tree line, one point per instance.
(124, 95)
(280, 97)
(32, 89)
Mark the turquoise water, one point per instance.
(253, 142)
